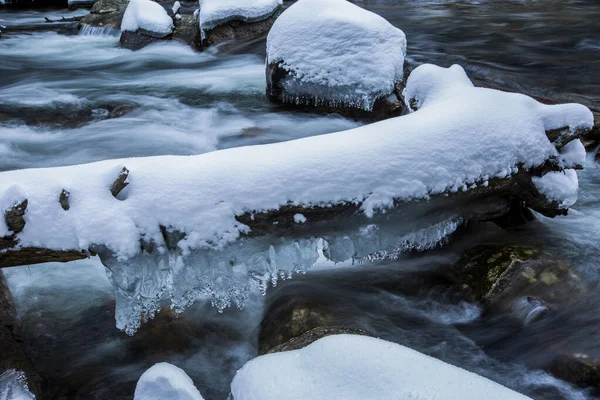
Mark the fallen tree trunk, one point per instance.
(518, 191)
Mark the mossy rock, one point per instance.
(288, 318)
(313, 335)
(498, 275)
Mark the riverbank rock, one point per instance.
(105, 14)
(343, 59)
(13, 354)
(222, 20)
(520, 280)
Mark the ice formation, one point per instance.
(217, 12)
(13, 386)
(358, 367)
(165, 381)
(147, 17)
(173, 233)
(336, 52)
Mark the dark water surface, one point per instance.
(58, 88)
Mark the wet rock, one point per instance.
(238, 30)
(13, 354)
(520, 280)
(105, 14)
(313, 335)
(578, 369)
(187, 30)
(139, 40)
(286, 318)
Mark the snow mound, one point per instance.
(560, 187)
(183, 209)
(217, 12)
(148, 17)
(166, 381)
(358, 367)
(337, 52)
(13, 386)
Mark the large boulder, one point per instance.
(222, 20)
(520, 280)
(340, 58)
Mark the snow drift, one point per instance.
(359, 367)
(181, 226)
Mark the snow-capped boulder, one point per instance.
(222, 20)
(360, 367)
(333, 56)
(144, 22)
(166, 381)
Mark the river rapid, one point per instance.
(67, 98)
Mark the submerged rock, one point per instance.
(520, 280)
(579, 369)
(344, 60)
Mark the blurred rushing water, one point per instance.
(68, 99)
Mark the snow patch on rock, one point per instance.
(217, 12)
(337, 52)
(353, 367)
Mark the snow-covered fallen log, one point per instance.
(360, 367)
(213, 223)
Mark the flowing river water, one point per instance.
(58, 90)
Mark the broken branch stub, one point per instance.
(120, 183)
(14, 216)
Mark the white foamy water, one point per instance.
(177, 101)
